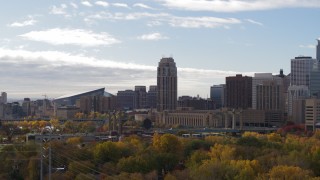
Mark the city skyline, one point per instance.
(59, 47)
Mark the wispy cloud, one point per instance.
(74, 5)
(154, 23)
(86, 3)
(59, 10)
(57, 58)
(254, 22)
(123, 5)
(237, 5)
(127, 16)
(310, 46)
(102, 3)
(140, 5)
(78, 37)
(198, 22)
(28, 22)
(152, 37)
(174, 21)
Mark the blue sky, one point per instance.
(60, 47)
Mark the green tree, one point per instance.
(87, 127)
(110, 151)
(70, 127)
(250, 141)
(191, 145)
(84, 167)
(140, 163)
(33, 169)
(83, 176)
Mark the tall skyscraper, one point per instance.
(318, 50)
(300, 70)
(167, 85)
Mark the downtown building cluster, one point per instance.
(264, 100)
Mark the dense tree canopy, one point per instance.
(251, 156)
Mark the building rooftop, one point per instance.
(79, 93)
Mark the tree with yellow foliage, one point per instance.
(167, 143)
(274, 137)
(289, 173)
(222, 152)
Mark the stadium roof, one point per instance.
(79, 93)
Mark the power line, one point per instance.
(66, 156)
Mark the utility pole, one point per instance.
(50, 151)
(50, 158)
(41, 161)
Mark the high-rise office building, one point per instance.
(300, 70)
(268, 81)
(318, 50)
(3, 97)
(258, 79)
(167, 85)
(152, 97)
(239, 92)
(300, 83)
(315, 80)
(126, 100)
(217, 95)
(26, 107)
(141, 95)
(269, 95)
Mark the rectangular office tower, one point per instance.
(301, 68)
(217, 95)
(318, 50)
(141, 97)
(239, 92)
(3, 97)
(152, 97)
(167, 85)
